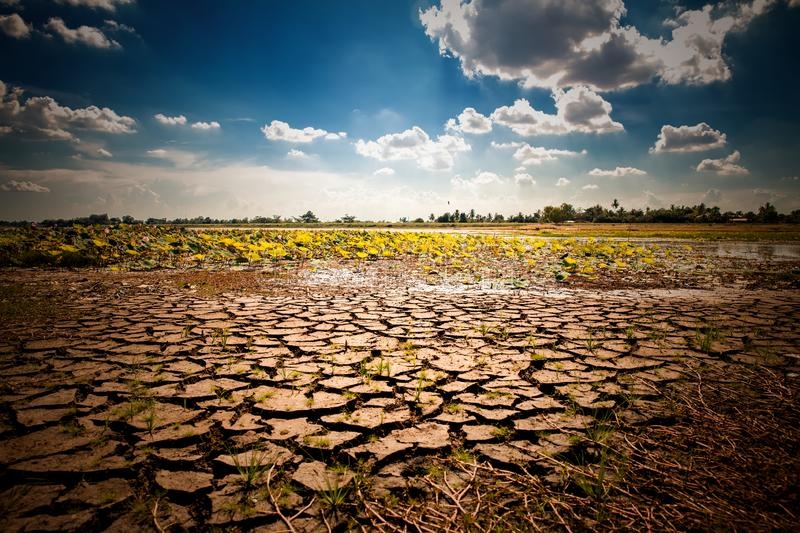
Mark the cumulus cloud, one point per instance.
(578, 109)
(179, 120)
(544, 43)
(415, 144)
(688, 139)
(727, 166)
(88, 35)
(470, 121)
(617, 172)
(590, 187)
(104, 153)
(385, 171)
(43, 117)
(294, 153)
(109, 5)
(481, 178)
(536, 155)
(523, 178)
(330, 136)
(23, 186)
(206, 126)
(651, 199)
(14, 26)
(281, 131)
(711, 196)
(562, 182)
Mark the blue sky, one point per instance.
(391, 109)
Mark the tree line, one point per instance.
(565, 212)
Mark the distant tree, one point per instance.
(348, 219)
(432, 217)
(767, 213)
(308, 217)
(615, 204)
(127, 219)
(98, 219)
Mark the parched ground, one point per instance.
(343, 398)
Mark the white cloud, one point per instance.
(415, 144)
(651, 199)
(385, 171)
(590, 187)
(114, 26)
(179, 158)
(688, 139)
(481, 178)
(88, 35)
(562, 182)
(694, 55)
(179, 120)
(536, 155)
(43, 117)
(296, 154)
(504, 146)
(103, 152)
(727, 166)
(617, 172)
(578, 109)
(470, 121)
(206, 126)
(281, 131)
(110, 5)
(711, 197)
(544, 43)
(14, 26)
(585, 111)
(335, 136)
(23, 186)
(521, 178)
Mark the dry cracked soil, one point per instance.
(139, 401)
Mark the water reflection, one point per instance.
(761, 251)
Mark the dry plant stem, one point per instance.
(154, 512)
(286, 520)
(325, 520)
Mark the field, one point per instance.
(499, 379)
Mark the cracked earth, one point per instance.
(142, 403)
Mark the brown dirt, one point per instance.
(179, 400)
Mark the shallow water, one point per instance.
(761, 251)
